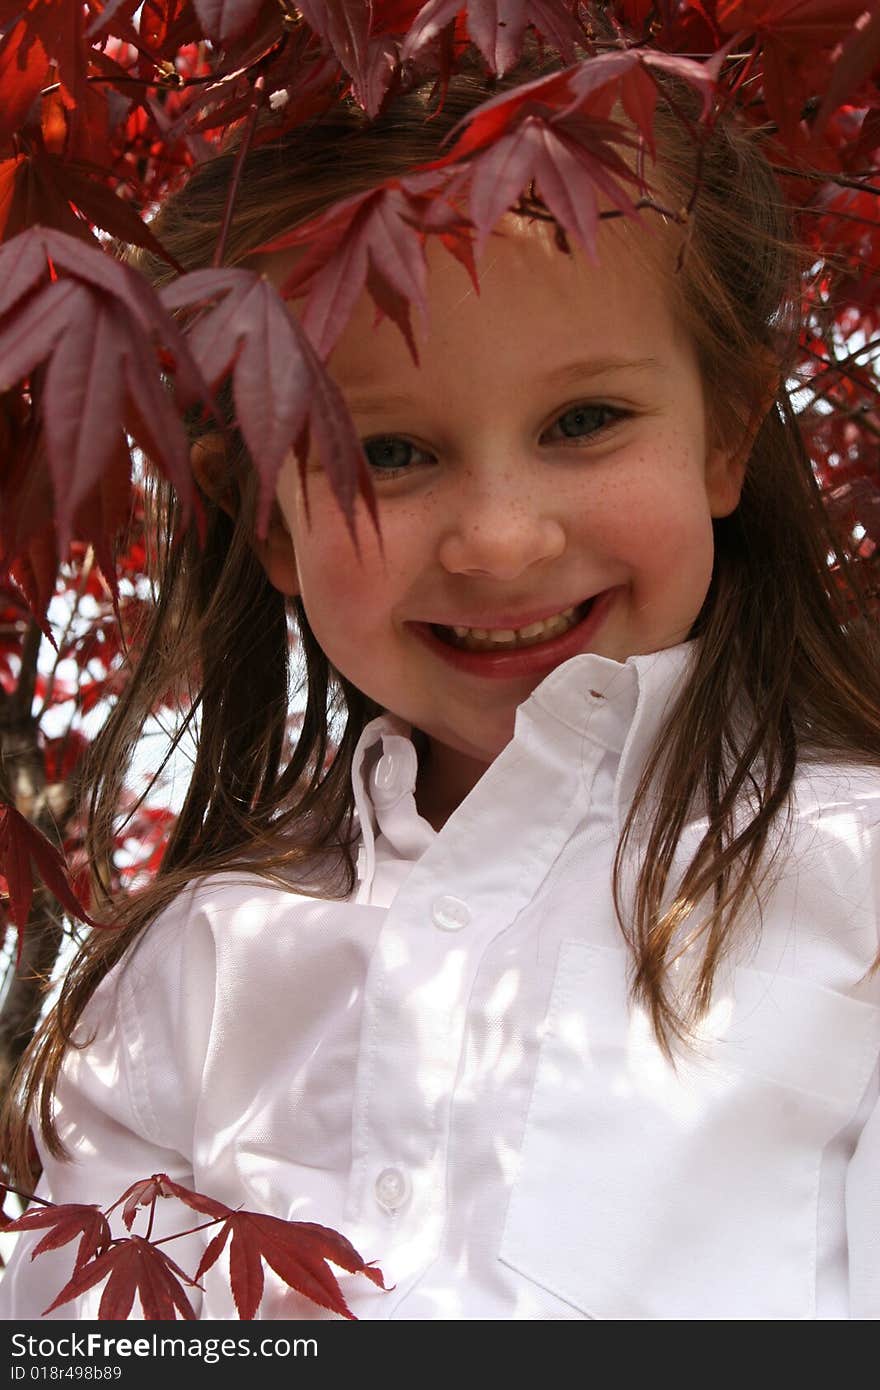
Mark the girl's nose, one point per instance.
(500, 532)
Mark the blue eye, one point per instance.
(389, 454)
(585, 419)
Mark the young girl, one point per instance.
(553, 989)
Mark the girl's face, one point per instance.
(551, 447)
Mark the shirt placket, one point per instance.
(466, 889)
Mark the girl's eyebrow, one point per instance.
(560, 376)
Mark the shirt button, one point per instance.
(450, 914)
(385, 773)
(392, 1189)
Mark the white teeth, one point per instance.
(532, 632)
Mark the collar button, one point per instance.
(450, 914)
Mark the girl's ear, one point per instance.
(275, 553)
(725, 474)
(726, 466)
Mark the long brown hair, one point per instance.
(777, 635)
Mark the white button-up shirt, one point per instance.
(446, 1067)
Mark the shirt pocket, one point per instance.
(644, 1192)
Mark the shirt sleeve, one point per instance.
(863, 1171)
(863, 1216)
(124, 1106)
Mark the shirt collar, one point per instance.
(619, 705)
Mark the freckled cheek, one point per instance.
(647, 520)
(670, 530)
(334, 579)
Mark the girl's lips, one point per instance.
(524, 661)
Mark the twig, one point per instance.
(838, 362)
(88, 563)
(826, 176)
(168, 78)
(526, 208)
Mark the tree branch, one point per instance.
(23, 698)
(828, 176)
(85, 573)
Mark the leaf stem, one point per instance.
(215, 1221)
(151, 1220)
(25, 1196)
(241, 155)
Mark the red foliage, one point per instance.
(64, 1224)
(281, 393)
(132, 1266)
(298, 1252)
(21, 846)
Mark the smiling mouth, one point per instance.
(513, 639)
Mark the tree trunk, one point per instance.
(23, 785)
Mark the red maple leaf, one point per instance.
(121, 12)
(65, 753)
(362, 46)
(301, 80)
(22, 846)
(46, 185)
(134, 1266)
(587, 89)
(280, 388)
(59, 28)
(23, 68)
(797, 38)
(393, 16)
(168, 24)
(569, 177)
(82, 185)
(798, 23)
(368, 236)
(298, 1252)
(63, 1224)
(344, 25)
(146, 1191)
(497, 27)
(858, 57)
(381, 72)
(226, 20)
(101, 333)
(373, 240)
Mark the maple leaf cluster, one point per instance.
(106, 108)
(298, 1252)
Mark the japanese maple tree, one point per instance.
(106, 106)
